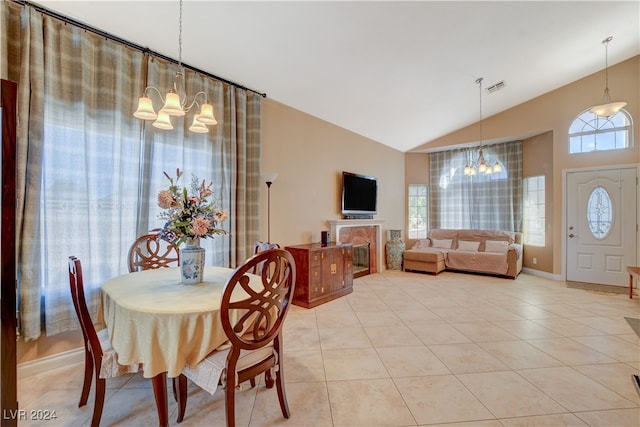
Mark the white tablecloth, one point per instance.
(155, 320)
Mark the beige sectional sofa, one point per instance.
(479, 251)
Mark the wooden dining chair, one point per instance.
(255, 337)
(99, 357)
(151, 251)
(261, 247)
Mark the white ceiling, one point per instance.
(400, 73)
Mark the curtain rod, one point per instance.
(146, 50)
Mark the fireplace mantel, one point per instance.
(338, 224)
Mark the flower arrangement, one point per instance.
(189, 214)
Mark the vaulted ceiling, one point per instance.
(400, 73)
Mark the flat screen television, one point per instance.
(359, 195)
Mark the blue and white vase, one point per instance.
(191, 262)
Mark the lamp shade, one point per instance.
(206, 115)
(609, 109)
(145, 109)
(197, 126)
(172, 105)
(269, 177)
(163, 122)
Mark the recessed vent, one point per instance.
(495, 87)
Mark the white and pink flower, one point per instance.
(189, 213)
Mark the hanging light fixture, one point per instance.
(481, 165)
(607, 108)
(175, 101)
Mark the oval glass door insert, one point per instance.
(599, 212)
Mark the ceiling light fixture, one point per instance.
(607, 108)
(175, 101)
(481, 165)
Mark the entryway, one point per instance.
(601, 220)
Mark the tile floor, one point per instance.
(410, 349)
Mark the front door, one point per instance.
(601, 225)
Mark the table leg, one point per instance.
(630, 286)
(159, 383)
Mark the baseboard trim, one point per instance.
(38, 366)
(542, 274)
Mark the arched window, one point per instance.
(589, 132)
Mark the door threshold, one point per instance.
(598, 287)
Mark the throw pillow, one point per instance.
(500, 246)
(421, 244)
(468, 246)
(442, 243)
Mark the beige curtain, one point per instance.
(485, 202)
(88, 172)
(244, 141)
(25, 65)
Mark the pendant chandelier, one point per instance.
(481, 165)
(607, 108)
(175, 101)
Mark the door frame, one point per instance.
(636, 166)
(8, 321)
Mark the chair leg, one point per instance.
(88, 375)
(174, 388)
(180, 393)
(282, 396)
(99, 402)
(230, 401)
(252, 381)
(268, 378)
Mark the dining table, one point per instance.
(154, 319)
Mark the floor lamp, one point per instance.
(269, 178)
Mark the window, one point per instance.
(418, 208)
(534, 217)
(599, 213)
(588, 132)
(481, 201)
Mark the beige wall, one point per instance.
(309, 156)
(47, 346)
(537, 159)
(553, 112)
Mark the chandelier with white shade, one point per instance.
(175, 101)
(607, 108)
(481, 165)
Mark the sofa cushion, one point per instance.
(424, 255)
(484, 235)
(441, 243)
(482, 262)
(468, 246)
(443, 233)
(422, 244)
(500, 246)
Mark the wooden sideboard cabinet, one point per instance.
(323, 272)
